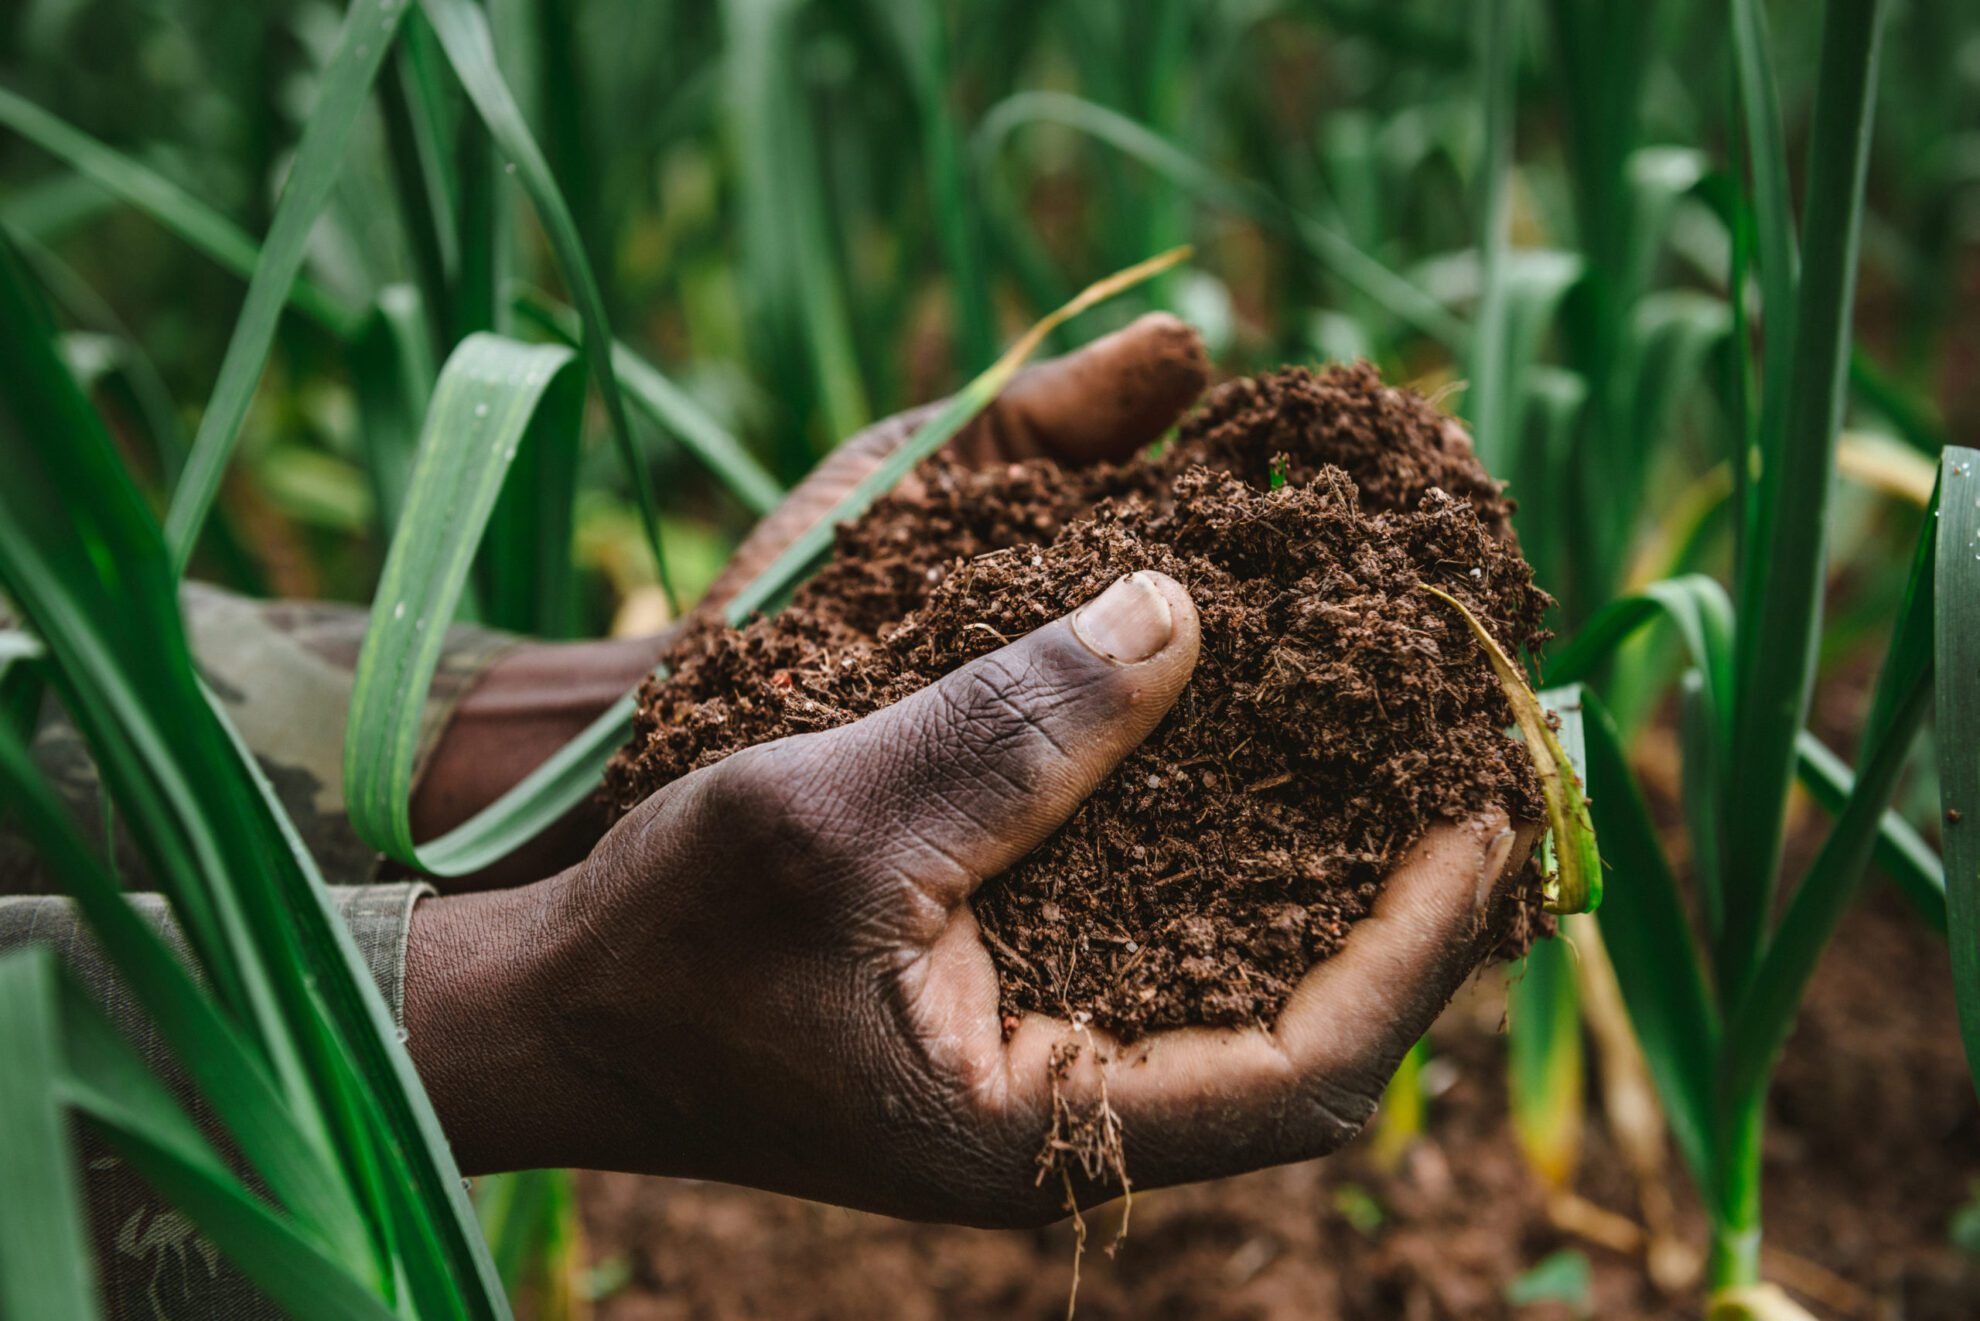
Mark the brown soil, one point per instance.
(1873, 1138)
(1335, 713)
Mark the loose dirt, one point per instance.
(1440, 1234)
(1336, 711)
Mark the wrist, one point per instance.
(480, 990)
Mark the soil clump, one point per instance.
(1337, 711)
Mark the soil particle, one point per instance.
(1336, 711)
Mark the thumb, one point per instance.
(957, 782)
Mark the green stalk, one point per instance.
(1758, 1027)
(948, 184)
(477, 233)
(1494, 414)
(1957, 653)
(1735, 1210)
(1781, 608)
(1758, 128)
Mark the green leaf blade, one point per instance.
(368, 32)
(1786, 551)
(1650, 942)
(1957, 657)
(1577, 885)
(494, 395)
(45, 1258)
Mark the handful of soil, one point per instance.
(1335, 714)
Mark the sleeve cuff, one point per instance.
(379, 918)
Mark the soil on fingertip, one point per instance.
(1337, 711)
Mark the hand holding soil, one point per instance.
(783, 966)
(770, 973)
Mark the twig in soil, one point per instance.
(1004, 949)
(1140, 953)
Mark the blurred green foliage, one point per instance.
(788, 203)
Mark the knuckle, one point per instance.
(769, 800)
(1007, 712)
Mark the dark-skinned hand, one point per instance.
(1099, 404)
(769, 973)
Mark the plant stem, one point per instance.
(1736, 1219)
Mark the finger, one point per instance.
(1099, 404)
(1104, 401)
(959, 781)
(1359, 1011)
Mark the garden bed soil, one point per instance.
(1872, 1140)
(1336, 712)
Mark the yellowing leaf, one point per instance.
(1576, 885)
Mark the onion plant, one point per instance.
(1713, 987)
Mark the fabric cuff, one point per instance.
(379, 918)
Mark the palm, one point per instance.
(1192, 1097)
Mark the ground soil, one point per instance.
(1872, 1141)
(1336, 712)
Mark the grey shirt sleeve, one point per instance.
(379, 918)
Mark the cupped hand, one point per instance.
(770, 973)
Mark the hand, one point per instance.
(770, 973)
(1103, 402)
